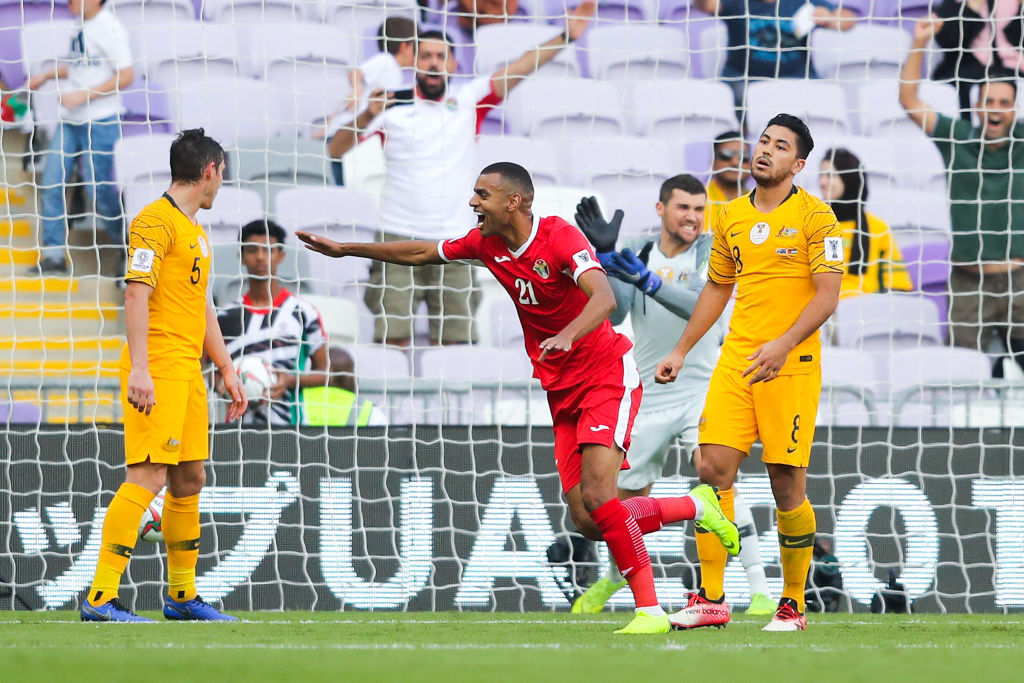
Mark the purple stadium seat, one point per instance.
(539, 157)
(681, 110)
(610, 164)
(13, 15)
(20, 412)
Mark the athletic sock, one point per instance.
(120, 533)
(796, 546)
(181, 533)
(712, 553)
(651, 514)
(750, 551)
(626, 545)
(613, 575)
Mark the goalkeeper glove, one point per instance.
(601, 233)
(628, 267)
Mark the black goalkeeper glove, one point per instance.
(601, 233)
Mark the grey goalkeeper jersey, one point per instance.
(658, 322)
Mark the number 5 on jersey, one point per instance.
(526, 295)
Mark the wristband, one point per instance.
(566, 38)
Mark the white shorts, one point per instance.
(653, 433)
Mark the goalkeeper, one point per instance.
(669, 271)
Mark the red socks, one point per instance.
(625, 541)
(651, 514)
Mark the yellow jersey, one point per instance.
(716, 202)
(171, 254)
(885, 270)
(771, 257)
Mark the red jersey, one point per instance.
(541, 278)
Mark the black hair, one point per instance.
(191, 151)
(260, 227)
(804, 141)
(515, 174)
(1000, 74)
(437, 34)
(850, 206)
(727, 136)
(395, 32)
(683, 182)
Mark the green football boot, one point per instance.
(645, 624)
(761, 605)
(594, 598)
(715, 521)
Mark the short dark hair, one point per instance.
(395, 32)
(683, 182)
(1001, 75)
(437, 34)
(261, 227)
(727, 136)
(804, 141)
(512, 173)
(191, 151)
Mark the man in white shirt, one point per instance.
(98, 64)
(429, 136)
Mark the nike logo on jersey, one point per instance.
(733, 234)
(502, 259)
(599, 428)
(192, 246)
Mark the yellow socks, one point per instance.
(120, 533)
(713, 555)
(796, 543)
(181, 534)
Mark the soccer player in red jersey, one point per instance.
(563, 298)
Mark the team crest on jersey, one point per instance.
(202, 246)
(759, 233)
(787, 232)
(541, 268)
(667, 274)
(451, 103)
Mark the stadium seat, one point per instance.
(620, 163)
(926, 255)
(959, 370)
(42, 44)
(822, 105)
(189, 52)
(360, 16)
(229, 109)
(20, 412)
(539, 157)
(562, 109)
(875, 154)
(147, 109)
(638, 206)
(143, 158)
(254, 12)
(137, 14)
(851, 58)
(234, 208)
(305, 105)
(468, 362)
(681, 110)
(498, 44)
(625, 11)
(339, 213)
(847, 386)
(911, 209)
(636, 52)
(882, 115)
(340, 317)
(711, 48)
(286, 52)
(14, 15)
(270, 166)
(887, 322)
(918, 164)
(561, 200)
(498, 321)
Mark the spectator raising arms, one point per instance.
(97, 66)
(873, 259)
(429, 138)
(274, 324)
(985, 182)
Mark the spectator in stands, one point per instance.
(768, 38)
(429, 137)
(976, 36)
(460, 19)
(730, 170)
(396, 38)
(272, 323)
(334, 405)
(985, 182)
(873, 259)
(98, 64)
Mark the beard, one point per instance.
(431, 91)
(767, 179)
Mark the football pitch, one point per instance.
(289, 646)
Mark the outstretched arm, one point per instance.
(404, 253)
(919, 112)
(513, 74)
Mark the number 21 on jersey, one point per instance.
(526, 295)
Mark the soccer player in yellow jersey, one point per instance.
(170, 323)
(783, 250)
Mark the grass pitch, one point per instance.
(289, 646)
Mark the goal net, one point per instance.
(439, 491)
